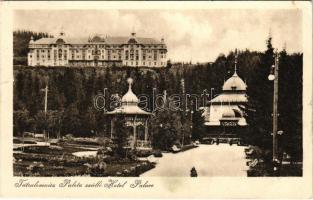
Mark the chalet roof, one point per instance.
(234, 83)
(231, 97)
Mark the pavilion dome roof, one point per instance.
(129, 103)
(234, 83)
(130, 97)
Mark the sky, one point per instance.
(190, 35)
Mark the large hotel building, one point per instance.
(97, 51)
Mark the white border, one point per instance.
(221, 187)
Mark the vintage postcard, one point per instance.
(156, 99)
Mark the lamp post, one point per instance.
(45, 90)
(274, 77)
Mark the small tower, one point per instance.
(31, 40)
(62, 34)
(133, 33)
(236, 59)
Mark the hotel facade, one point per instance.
(98, 51)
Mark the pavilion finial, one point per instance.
(130, 82)
(236, 57)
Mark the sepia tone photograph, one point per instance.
(158, 93)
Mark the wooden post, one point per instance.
(135, 136)
(275, 105)
(46, 106)
(146, 131)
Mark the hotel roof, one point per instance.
(98, 39)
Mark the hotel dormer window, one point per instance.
(60, 41)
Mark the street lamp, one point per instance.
(273, 76)
(45, 90)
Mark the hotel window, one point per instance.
(37, 54)
(155, 55)
(154, 63)
(136, 63)
(119, 54)
(126, 55)
(137, 55)
(109, 55)
(143, 63)
(143, 55)
(42, 51)
(65, 54)
(55, 54)
(132, 54)
(126, 63)
(60, 54)
(84, 55)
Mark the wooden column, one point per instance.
(135, 136)
(146, 131)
